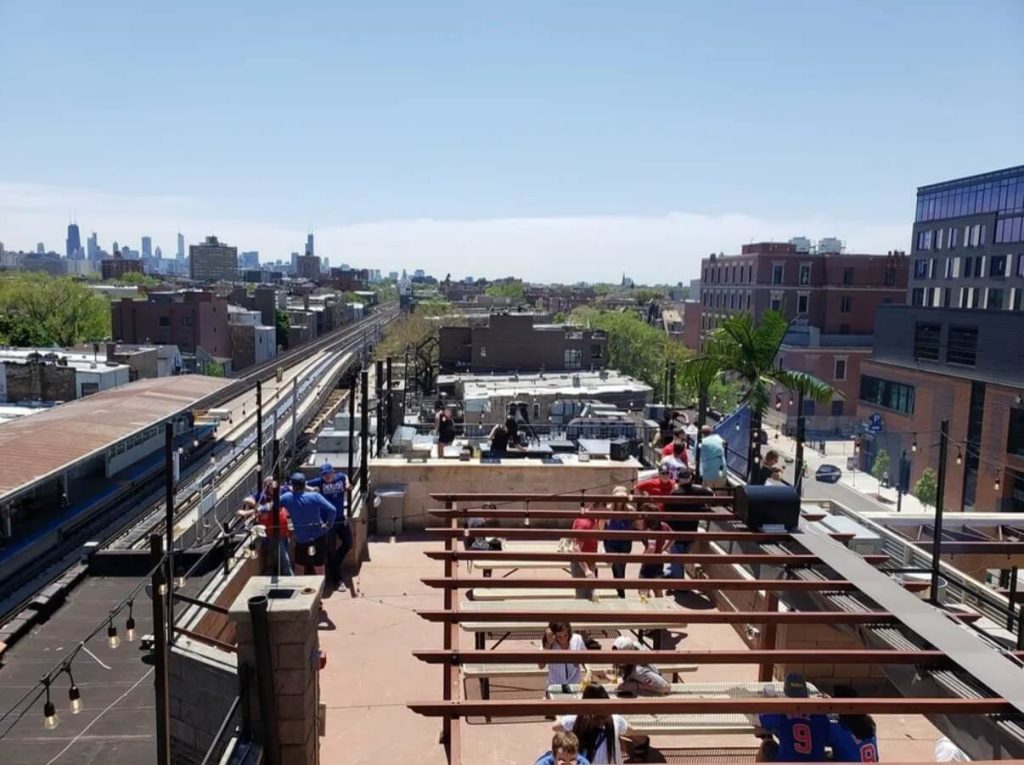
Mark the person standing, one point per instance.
(676, 514)
(619, 546)
(334, 488)
(586, 544)
(712, 459)
(445, 430)
(312, 517)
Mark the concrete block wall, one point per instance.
(203, 685)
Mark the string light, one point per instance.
(129, 627)
(959, 456)
(913, 445)
(997, 483)
(112, 639)
(50, 719)
(74, 695)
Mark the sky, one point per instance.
(554, 141)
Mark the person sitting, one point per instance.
(678, 437)
(652, 546)
(677, 513)
(852, 737)
(638, 678)
(601, 737)
(660, 485)
(800, 738)
(560, 637)
(565, 748)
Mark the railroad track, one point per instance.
(123, 525)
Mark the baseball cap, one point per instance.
(326, 468)
(625, 643)
(795, 686)
(299, 479)
(684, 474)
(664, 469)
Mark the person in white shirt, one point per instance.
(601, 737)
(560, 637)
(947, 751)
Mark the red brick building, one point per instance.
(116, 267)
(830, 298)
(189, 319)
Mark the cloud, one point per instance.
(654, 248)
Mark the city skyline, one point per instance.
(568, 141)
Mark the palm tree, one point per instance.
(698, 374)
(746, 351)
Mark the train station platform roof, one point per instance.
(46, 444)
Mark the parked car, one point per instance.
(828, 474)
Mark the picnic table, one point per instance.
(511, 566)
(689, 724)
(493, 594)
(565, 609)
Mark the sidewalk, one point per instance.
(836, 453)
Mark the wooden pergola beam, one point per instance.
(752, 559)
(575, 497)
(536, 535)
(662, 617)
(708, 585)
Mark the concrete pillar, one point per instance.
(292, 615)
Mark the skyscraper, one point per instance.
(158, 253)
(309, 243)
(181, 247)
(73, 244)
(92, 247)
(212, 260)
(147, 247)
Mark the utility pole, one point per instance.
(939, 491)
(161, 654)
(259, 436)
(169, 524)
(801, 423)
(901, 486)
(364, 435)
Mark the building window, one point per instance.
(596, 351)
(975, 297)
(899, 397)
(920, 269)
(165, 321)
(947, 298)
(837, 408)
(801, 302)
(963, 346)
(845, 304)
(995, 300)
(573, 358)
(926, 341)
(483, 351)
(186, 321)
(1015, 435)
(917, 296)
(954, 236)
(805, 273)
(1020, 265)
(997, 265)
(777, 273)
(839, 373)
(748, 301)
(776, 303)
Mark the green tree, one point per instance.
(283, 325)
(513, 289)
(926, 488)
(143, 280)
(42, 310)
(213, 369)
(746, 352)
(880, 470)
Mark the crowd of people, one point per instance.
(303, 524)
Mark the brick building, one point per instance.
(116, 267)
(212, 261)
(957, 351)
(189, 319)
(830, 299)
(513, 342)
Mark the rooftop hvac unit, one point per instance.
(760, 506)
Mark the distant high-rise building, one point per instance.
(159, 253)
(73, 244)
(249, 259)
(92, 246)
(419, 273)
(308, 267)
(309, 243)
(181, 247)
(212, 260)
(147, 247)
(40, 249)
(393, 276)
(325, 264)
(115, 249)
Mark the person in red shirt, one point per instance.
(588, 545)
(660, 486)
(679, 437)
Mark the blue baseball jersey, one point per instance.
(847, 748)
(335, 491)
(802, 738)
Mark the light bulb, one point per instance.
(179, 581)
(50, 719)
(129, 629)
(959, 459)
(997, 485)
(75, 697)
(161, 589)
(112, 639)
(913, 446)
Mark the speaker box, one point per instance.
(618, 450)
(759, 506)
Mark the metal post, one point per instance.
(169, 522)
(767, 670)
(801, 424)
(387, 409)
(265, 678)
(672, 384)
(161, 669)
(226, 536)
(380, 425)
(1020, 630)
(275, 508)
(351, 437)
(364, 435)
(295, 413)
(259, 436)
(940, 489)
(1013, 598)
(702, 412)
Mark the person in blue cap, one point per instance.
(334, 487)
(801, 738)
(853, 738)
(312, 518)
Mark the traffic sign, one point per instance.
(875, 423)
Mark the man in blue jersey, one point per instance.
(852, 737)
(800, 738)
(334, 487)
(312, 518)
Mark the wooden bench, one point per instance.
(484, 594)
(484, 672)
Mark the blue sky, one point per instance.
(568, 140)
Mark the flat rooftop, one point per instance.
(48, 443)
(572, 383)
